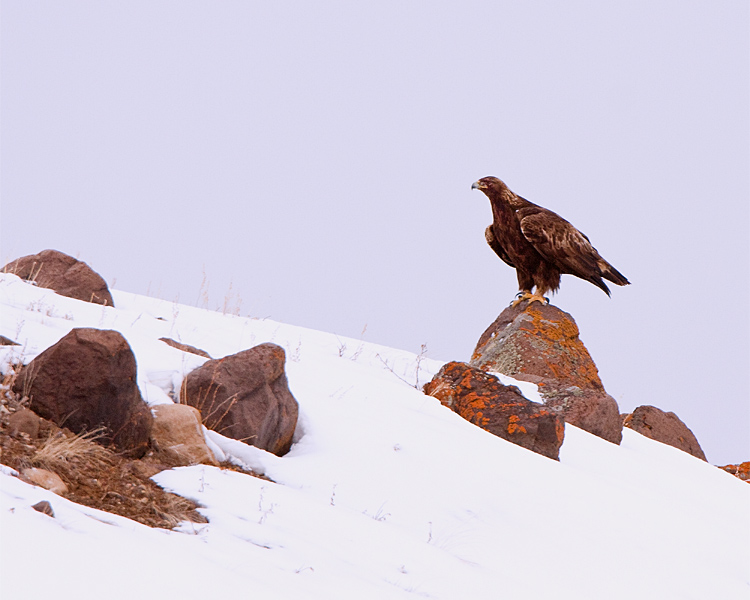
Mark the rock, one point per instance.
(245, 396)
(147, 467)
(4, 341)
(664, 427)
(594, 412)
(87, 381)
(741, 471)
(185, 347)
(177, 435)
(66, 275)
(502, 410)
(46, 479)
(540, 344)
(45, 508)
(24, 421)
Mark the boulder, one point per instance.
(177, 435)
(664, 427)
(502, 410)
(66, 275)
(46, 479)
(185, 347)
(245, 396)
(541, 344)
(87, 381)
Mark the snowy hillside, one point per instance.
(385, 493)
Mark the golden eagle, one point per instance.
(540, 245)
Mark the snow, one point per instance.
(384, 494)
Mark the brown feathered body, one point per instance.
(540, 244)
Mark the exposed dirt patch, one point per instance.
(96, 476)
(110, 483)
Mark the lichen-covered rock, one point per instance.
(740, 471)
(87, 381)
(66, 275)
(245, 396)
(664, 427)
(177, 435)
(541, 344)
(502, 410)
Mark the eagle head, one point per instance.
(488, 183)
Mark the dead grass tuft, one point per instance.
(64, 454)
(98, 477)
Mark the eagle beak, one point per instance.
(477, 185)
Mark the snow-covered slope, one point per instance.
(385, 494)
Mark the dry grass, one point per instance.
(63, 454)
(11, 375)
(9, 378)
(212, 408)
(232, 303)
(203, 297)
(32, 276)
(96, 476)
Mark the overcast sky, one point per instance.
(314, 161)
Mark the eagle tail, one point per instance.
(597, 281)
(611, 274)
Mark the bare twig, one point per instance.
(419, 359)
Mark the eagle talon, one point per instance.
(520, 297)
(537, 298)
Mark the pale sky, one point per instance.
(318, 159)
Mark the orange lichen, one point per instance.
(571, 361)
(560, 430)
(513, 426)
(741, 471)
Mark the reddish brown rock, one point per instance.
(185, 347)
(66, 275)
(24, 421)
(595, 412)
(481, 399)
(87, 381)
(245, 396)
(541, 344)
(664, 427)
(740, 471)
(177, 435)
(27, 422)
(44, 507)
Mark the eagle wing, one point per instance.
(489, 235)
(561, 244)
